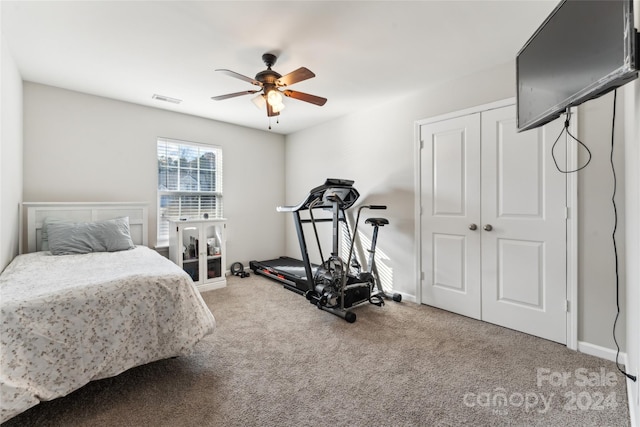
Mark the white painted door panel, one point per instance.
(451, 202)
(510, 270)
(523, 256)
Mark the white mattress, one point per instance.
(67, 320)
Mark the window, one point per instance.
(189, 183)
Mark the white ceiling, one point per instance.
(363, 53)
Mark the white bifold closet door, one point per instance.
(493, 222)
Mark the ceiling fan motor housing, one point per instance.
(268, 77)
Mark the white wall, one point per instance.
(79, 147)
(596, 260)
(10, 157)
(376, 149)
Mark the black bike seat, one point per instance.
(377, 222)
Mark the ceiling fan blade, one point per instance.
(271, 112)
(233, 95)
(296, 76)
(305, 97)
(240, 76)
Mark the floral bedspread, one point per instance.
(67, 320)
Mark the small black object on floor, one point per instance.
(237, 269)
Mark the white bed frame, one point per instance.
(34, 213)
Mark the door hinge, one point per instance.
(422, 275)
(566, 305)
(566, 212)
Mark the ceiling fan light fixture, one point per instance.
(274, 97)
(278, 108)
(260, 102)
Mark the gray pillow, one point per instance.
(84, 237)
(116, 235)
(45, 231)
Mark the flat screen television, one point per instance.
(583, 50)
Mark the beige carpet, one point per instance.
(276, 360)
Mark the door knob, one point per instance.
(488, 227)
(473, 227)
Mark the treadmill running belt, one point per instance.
(289, 269)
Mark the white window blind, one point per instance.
(189, 183)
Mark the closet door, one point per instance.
(523, 206)
(450, 193)
(493, 222)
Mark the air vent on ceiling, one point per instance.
(166, 99)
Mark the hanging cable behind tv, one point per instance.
(567, 122)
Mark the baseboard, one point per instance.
(212, 286)
(610, 354)
(630, 395)
(406, 297)
(599, 351)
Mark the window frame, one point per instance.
(162, 240)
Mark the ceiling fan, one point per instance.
(273, 86)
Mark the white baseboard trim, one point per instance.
(610, 354)
(601, 352)
(405, 297)
(630, 395)
(212, 286)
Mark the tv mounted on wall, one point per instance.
(583, 50)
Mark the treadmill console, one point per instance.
(326, 194)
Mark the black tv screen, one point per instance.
(581, 51)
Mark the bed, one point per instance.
(69, 319)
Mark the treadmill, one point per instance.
(295, 274)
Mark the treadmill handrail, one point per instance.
(287, 208)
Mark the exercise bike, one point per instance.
(341, 285)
